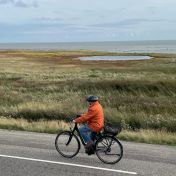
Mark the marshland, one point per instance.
(41, 90)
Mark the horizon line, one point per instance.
(86, 41)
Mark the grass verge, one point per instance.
(54, 126)
(149, 136)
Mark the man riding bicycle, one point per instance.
(105, 145)
(94, 119)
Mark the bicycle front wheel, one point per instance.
(67, 144)
(109, 150)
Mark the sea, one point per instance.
(163, 46)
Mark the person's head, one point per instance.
(91, 99)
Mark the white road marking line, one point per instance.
(69, 164)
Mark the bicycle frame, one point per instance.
(79, 134)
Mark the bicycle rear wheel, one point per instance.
(109, 150)
(67, 144)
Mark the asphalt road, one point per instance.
(34, 154)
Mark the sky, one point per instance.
(86, 20)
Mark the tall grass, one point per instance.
(41, 126)
(53, 126)
(149, 136)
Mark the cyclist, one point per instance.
(94, 119)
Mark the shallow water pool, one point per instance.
(113, 58)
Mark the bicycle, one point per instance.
(105, 144)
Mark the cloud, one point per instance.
(126, 23)
(20, 3)
(35, 27)
(6, 1)
(26, 4)
(49, 19)
(152, 9)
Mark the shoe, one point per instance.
(89, 148)
(90, 151)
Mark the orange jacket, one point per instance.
(94, 117)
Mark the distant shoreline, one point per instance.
(168, 46)
(125, 41)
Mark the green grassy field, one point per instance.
(38, 87)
